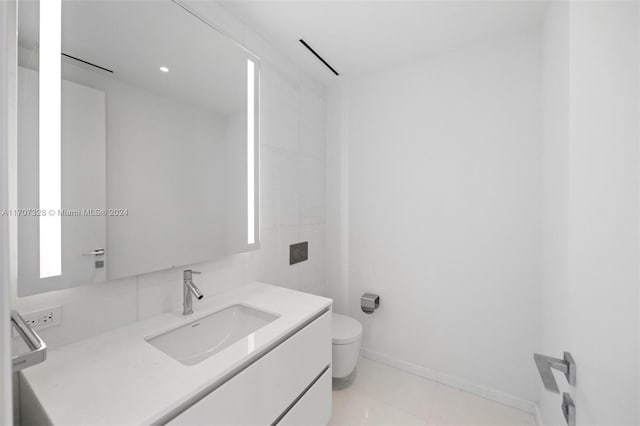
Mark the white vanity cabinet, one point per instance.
(291, 384)
(311, 409)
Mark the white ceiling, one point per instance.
(358, 37)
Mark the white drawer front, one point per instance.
(314, 408)
(259, 394)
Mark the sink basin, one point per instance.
(194, 342)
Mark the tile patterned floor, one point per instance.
(382, 395)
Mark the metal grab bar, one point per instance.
(545, 363)
(38, 349)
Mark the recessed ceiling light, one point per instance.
(164, 69)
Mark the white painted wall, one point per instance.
(590, 294)
(292, 109)
(444, 218)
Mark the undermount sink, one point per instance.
(198, 340)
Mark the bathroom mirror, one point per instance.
(136, 142)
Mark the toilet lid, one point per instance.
(345, 329)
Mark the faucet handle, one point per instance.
(188, 272)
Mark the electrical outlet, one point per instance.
(44, 318)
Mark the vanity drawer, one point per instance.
(314, 408)
(259, 394)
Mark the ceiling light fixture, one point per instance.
(304, 43)
(164, 69)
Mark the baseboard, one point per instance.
(538, 415)
(455, 382)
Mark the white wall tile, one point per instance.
(279, 188)
(312, 191)
(271, 263)
(312, 271)
(279, 110)
(312, 123)
(336, 198)
(159, 292)
(86, 310)
(221, 275)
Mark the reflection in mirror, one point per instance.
(136, 142)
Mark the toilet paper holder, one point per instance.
(369, 302)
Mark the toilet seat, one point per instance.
(345, 330)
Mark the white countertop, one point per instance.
(118, 378)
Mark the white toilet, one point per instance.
(346, 334)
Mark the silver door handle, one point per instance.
(37, 347)
(545, 363)
(568, 409)
(96, 252)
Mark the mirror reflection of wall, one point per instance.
(154, 143)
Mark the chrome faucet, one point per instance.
(189, 290)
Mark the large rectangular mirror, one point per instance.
(136, 142)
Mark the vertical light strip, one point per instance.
(251, 194)
(50, 192)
